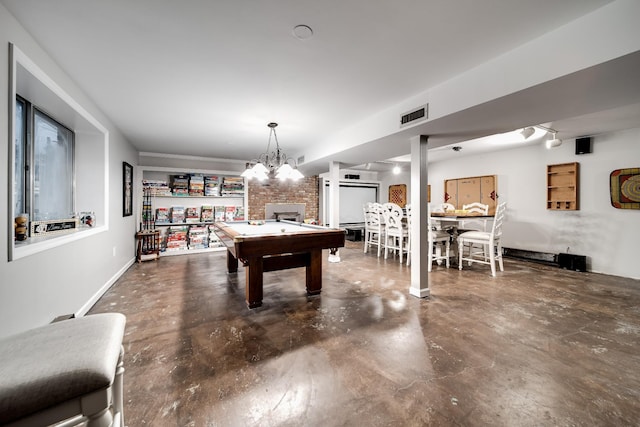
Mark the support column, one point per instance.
(419, 221)
(334, 203)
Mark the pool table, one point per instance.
(271, 245)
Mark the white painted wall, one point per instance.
(609, 237)
(62, 280)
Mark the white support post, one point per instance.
(334, 203)
(419, 244)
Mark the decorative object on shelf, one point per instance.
(625, 188)
(87, 219)
(127, 189)
(21, 224)
(273, 163)
(55, 226)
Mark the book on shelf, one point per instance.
(211, 186)
(198, 237)
(232, 186)
(196, 185)
(180, 185)
(214, 240)
(180, 192)
(162, 216)
(239, 216)
(156, 187)
(192, 214)
(177, 214)
(219, 213)
(206, 213)
(229, 213)
(176, 238)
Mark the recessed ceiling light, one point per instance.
(302, 32)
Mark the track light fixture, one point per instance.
(527, 132)
(550, 143)
(555, 142)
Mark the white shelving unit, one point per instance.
(168, 201)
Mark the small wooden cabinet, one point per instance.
(562, 186)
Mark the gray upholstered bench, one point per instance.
(66, 371)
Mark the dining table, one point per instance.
(451, 222)
(443, 220)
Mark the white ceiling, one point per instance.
(204, 78)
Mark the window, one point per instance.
(54, 170)
(44, 172)
(19, 172)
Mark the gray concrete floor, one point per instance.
(534, 346)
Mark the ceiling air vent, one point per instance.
(300, 160)
(418, 114)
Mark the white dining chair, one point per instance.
(374, 227)
(366, 211)
(407, 209)
(479, 209)
(477, 224)
(438, 239)
(474, 224)
(396, 232)
(492, 240)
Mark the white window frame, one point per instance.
(92, 145)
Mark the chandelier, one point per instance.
(272, 163)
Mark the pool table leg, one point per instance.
(253, 286)
(232, 263)
(314, 273)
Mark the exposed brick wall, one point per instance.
(275, 191)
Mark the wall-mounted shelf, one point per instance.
(562, 186)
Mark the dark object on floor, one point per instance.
(354, 234)
(572, 262)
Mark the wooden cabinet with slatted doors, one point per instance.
(463, 191)
(451, 192)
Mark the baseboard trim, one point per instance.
(527, 255)
(91, 302)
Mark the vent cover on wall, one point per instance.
(417, 114)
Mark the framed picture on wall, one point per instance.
(127, 189)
